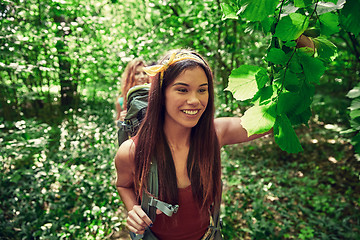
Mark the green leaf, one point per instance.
(295, 65)
(329, 24)
(355, 113)
(291, 27)
(354, 93)
(264, 96)
(355, 124)
(302, 3)
(267, 23)
(290, 44)
(259, 119)
(228, 11)
(355, 142)
(285, 135)
(325, 49)
(313, 67)
(291, 82)
(355, 104)
(350, 17)
(242, 82)
(312, 32)
(306, 95)
(258, 10)
(295, 103)
(276, 56)
(301, 118)
(329, 6)
(287, 102)
(261, 78)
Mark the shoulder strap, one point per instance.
(149, 203)
(214, 232)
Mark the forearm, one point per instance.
(128, 197)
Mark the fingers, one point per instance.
(122, 115)
(137, 220)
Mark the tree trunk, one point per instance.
(68, 87)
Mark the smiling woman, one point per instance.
(186, 99)
(172, 166)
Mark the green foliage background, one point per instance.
(61, 64)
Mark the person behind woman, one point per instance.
(133, 75)
(179, 122)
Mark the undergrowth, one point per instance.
(270, 194)
(57, 182)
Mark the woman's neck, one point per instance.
(177, 137)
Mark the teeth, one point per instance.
(190, 112)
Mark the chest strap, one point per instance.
(164, 207)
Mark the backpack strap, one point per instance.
(149, 201)
(214, 230)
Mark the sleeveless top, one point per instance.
(189, 223)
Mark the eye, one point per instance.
(182, 90)
(202, 90)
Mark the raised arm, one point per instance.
(230, 131)
(137, 219)
(118, 109)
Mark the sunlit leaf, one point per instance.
(228, 11)
(355, 113)
(259, 119)
(329, 6)
(291, 27)
(354, 93)
(242, 82)
(326, 50)
(355, 104)
(257, 10)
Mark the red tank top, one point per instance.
(189, 223)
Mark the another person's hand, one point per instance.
(122, 115)
(137, 220)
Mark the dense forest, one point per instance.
(61, 63)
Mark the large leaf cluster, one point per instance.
(282, 93)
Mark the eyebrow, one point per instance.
(185, 84)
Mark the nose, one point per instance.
(143, 75)
(193, 99)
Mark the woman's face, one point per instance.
(140, 77)
(186, 98)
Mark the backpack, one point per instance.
(137, 102)
(149, 203)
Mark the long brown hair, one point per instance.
(128, 77)
(203, 163)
